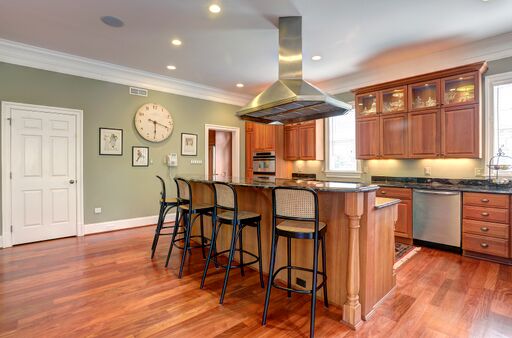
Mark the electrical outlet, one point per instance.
(97, 210)
(479, 172)
(300, 282)
(365, 169)
(427, 171)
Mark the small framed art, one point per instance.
(188, 144)
(140, 156)
(111, 141)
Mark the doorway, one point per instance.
(222, 156)
(42, 173)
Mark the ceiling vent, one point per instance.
(138, 91)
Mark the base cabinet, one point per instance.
(486, 226)
(403, 225)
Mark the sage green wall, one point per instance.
(110, 182)
(446, 168)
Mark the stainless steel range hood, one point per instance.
(291, 99)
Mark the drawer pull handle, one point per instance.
(484, 214)
(484, 245)
(485, 200)
(484, 229)
(383, 192)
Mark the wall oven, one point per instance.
(264, 163)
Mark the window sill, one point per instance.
(343, 174)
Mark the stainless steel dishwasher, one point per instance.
(437, 218)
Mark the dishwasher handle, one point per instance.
(437, 192)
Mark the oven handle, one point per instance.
(434, 192)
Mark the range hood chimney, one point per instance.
(291, 99)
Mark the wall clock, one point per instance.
(153, 122)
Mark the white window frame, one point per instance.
(489, 116)
(337, 173)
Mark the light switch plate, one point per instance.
(196, 162)
(427, 171)
(97, 210)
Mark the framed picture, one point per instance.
(188, 144)
(140, 156)
(111, 141)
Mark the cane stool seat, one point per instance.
(300, 226)
(169, 200)
(242, 215)
(198, 207)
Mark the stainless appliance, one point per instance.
(264, 163)
(264, 178)
(291, 99)
(436, 218)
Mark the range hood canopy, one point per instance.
(291, 99)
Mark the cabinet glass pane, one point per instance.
(367, 104)
(424, 95)
(459, 90)
(393, 101)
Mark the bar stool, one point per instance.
(189, 209)
(226, 212)
(297, 209)
(166, 204)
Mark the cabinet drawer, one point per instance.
(401, 193)
(485, 245)
(486, 228)
(486, 214)
(486, 200)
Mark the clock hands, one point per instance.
(155, 123)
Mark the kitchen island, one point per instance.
(359, 240)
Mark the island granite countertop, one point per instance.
(316, 185)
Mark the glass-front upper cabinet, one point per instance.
(424, 95)
(367, 104)
(394, 100)
(460, 89)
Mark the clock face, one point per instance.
(153, 122)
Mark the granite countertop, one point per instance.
(316, 185)
(465, 185)
(382, 202)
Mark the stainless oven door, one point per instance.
(262, 165)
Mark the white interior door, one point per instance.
(43, 166)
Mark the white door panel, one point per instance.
(43, 162)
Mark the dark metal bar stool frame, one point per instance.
(317, 235)
(237, 235)
(187, 214)
(165, 207)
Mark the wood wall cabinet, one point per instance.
(442, 118)
(265, 137)
(368, 138)
(249, 148)
(304, 141)
(403, 225)
(460, 131)
(423, 132)
(393, 136)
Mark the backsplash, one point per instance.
(445, 168)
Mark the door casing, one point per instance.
(7, 115)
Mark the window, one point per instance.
(341, 146)
(499, 107)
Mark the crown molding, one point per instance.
(41, 58)
(493, 48)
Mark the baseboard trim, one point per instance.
(121, 224)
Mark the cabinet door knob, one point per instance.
(484, 245)
(484, 200)
(484, 214)
(484, 229)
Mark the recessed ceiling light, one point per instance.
(214, 8)
(240, 85)
(112, 21)
(316, 58)
(176, 42)
(171, 67)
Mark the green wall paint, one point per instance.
(110, 182)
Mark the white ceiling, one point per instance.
(240, 44)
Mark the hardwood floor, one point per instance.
(106, 285)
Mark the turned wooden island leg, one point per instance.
(354, 207)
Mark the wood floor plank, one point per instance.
(106, 285)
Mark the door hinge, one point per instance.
(10, 175)
(11, 227)
(10, 121)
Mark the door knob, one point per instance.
(484, 245)
(71, 181)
